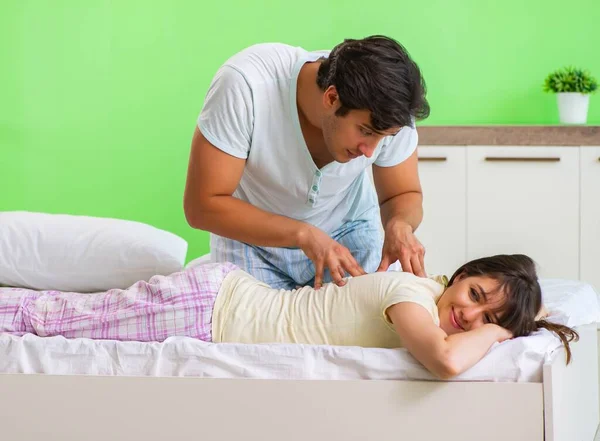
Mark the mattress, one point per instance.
(518, 360)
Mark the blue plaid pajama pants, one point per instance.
(288, 268)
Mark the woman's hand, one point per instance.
(327, 253)
(503, 334)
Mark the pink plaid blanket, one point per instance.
(180, 304)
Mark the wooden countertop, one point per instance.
(510, 135)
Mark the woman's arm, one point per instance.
(445, 356)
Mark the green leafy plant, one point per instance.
(570, 79)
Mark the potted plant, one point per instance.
(573, 88)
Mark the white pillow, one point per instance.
(83, 254)
(570, 302)
(199, 261)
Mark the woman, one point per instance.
(447, 328)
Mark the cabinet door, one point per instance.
(442, 171)
(525, 200)
(590, 216)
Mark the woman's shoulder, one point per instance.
(440, 278)
(392, 279)
(402, 276)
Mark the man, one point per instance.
(278, 169)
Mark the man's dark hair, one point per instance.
(376, 74)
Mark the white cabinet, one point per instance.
(442, 171)
(539, 201)
(525, 200)
(590, 216)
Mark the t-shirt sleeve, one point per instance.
(421, 294)
(227, 117)
(398, 148)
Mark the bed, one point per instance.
(82, 389)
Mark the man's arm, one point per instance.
(399, 192)
(213, 176)
(401, 203)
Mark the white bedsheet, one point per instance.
(518, 360)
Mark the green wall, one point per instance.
(99, 97)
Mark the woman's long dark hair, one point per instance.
(517, 277)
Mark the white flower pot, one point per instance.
(573, 107)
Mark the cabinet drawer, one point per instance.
(525, 200)
(590, 216)
(442, 171)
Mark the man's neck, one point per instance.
(308, 101)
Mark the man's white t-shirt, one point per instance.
(250, 112)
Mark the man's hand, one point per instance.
(401, 244)
(327, 253)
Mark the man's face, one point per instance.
(350, 136)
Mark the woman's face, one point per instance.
(469, 303)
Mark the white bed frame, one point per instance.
(93, 408)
